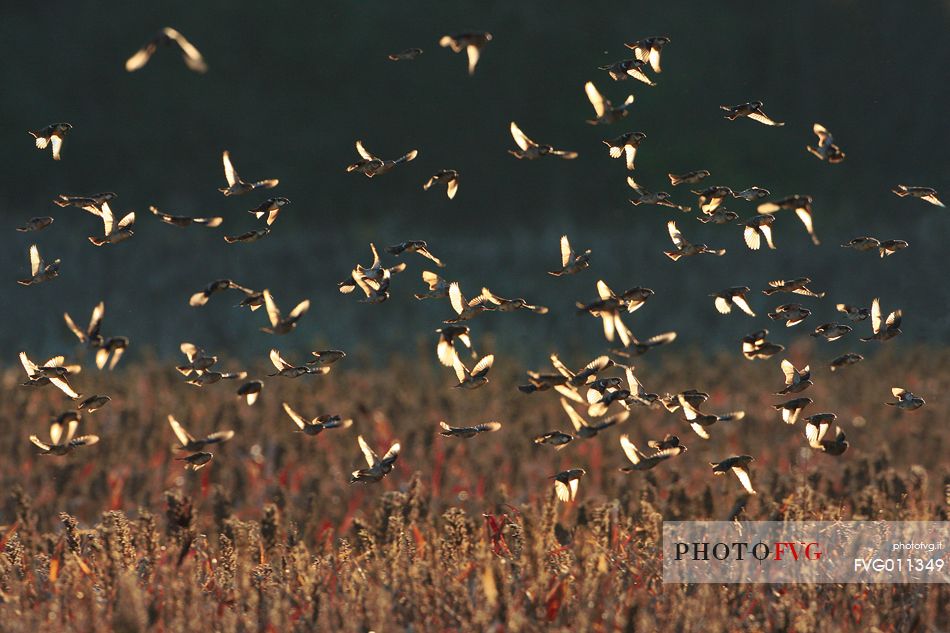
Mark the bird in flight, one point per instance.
(188, 442)
(792, 409)
(649, 49)
(816, 428)
(415, 246)
(625, 145)
(318, 424)
(883, 330)
(752, 110)
(641, 461)
(238, 187)
(605, 111)
(378, 468)
(801, 205)
(279, 324)
(566, 483)
(468, 432)
(796, 380)
(53, 372)
(201, 297)
(271, 208)
(826, 149)
(52, 136)
(905, 400)
(684, 248)
(166, 37)
(370, 166)
(114, 232)
(844, 360)
(61, 434)
(445, 348)
(831, 331)
(475, 378)
(755, 346)
(448, 177)
(183, 221)
(625, 69)
(571, 262)
(927, 194)
(734, 296)
(739, 465)
(529, 150)
(645, 196)
(288, 370)
(40, 271)
(35, 224)
(690, 177)
(472, 43)
(406, 55)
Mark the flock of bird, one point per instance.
(592, 400)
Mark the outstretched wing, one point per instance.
(140, 58)
(629, 449)
(744, 478)
(192, 57)
(183, 436)
(363, 152)
(521, 140)
(230, 173)
(296, 417)
(876, 315)
(368, 454)
(575, 417)
(273, 312)
(473, 54)
(678, 240)
(595, 98)
(35, 261)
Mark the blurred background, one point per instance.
(291, 86)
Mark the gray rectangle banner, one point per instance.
(806, 552)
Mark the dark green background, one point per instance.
(292, 85)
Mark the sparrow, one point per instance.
(271, 208)
(543, 382)
(378, 468)
(571, 262)
(369, 165)
(198, 359)
(468, 431)
(645, 462)
(466, 309)
(698, 420)
(252, 299)
(926, 194)
(626, 68)
(721, 215)
(448, 177)
(52, 136)
(734, 296)
(755, 346)
(671, 402)
(250, 391)
(625, 145)
(690, 177)
(796, 380)
(844, 360)
(751, 194)
(113, 346)
(318, 424)
(639, 348)
(201, 297)
(374, 290)
(684, 248)
(566, 482)
(863, 244)
(35, 224)
(801, 205)
(90, 203)
(287, 370)
(326, 357)
(187, 442)
(905, 400)
(90, 336)
(606, 112)
(51, 372)
(638, 395)
(510, 305)
(757, 228)
(817, 429)
(166, 37)
(407, 55)
(196, 461)
(791, 313)
(854, 313)
(183, 221)
(209, 377)
(831, 331)
(739, 465)
(529, 150)
(472, 43)
(883, 330)
(584, 375)
(889, 247)
(798, 286)
(585, 429)
(375, 272)
(113, 232)
(826, 150)
(445, 348)
(668, 441)
(279, 324)
(61, 434)
(438, 287)
(414, 246)
(752, 110)
(660, 198)
(248, 236)
(93, 403)
(475, 378)
(711, 198)
(40, 271)
(648, 50)
(557, 439)
(793, 408)
(238, 187)
(608, 308)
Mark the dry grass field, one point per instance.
(464, 535)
